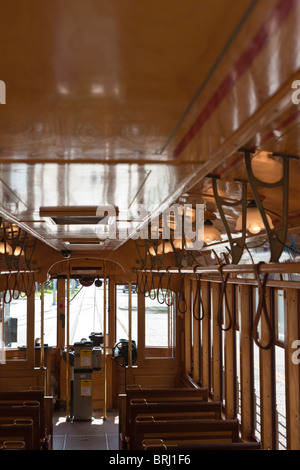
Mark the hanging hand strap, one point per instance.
(224, 279)
(169, 299)
(198, 298)
(152, 289)
(159, 291)
(146, 289)
(181, 292)
(7, 295)
(262, 310)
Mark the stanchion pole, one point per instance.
(104, 344)
(129, 325)
(42, 357)
(68, 346)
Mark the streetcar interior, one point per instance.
(128, 128)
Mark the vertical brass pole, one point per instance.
(68, 347)
(2, 338)
(42, 358)
(129, 326)
(104, 343)
(42, 326)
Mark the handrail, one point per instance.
(270, 268)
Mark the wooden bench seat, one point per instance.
(20, 430)
(167, 394)
(153, 395)
(12, 445)
(191, 431)
(171, 411)
(25, 410)
(46, 410)
(159, 444)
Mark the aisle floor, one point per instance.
(98, 434)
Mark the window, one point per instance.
(238, 350)
(256, 375)
(50, 313)
(122, 303)
(280, 400)
(160, 326)
(280, 397)
(279, 313)
(13, 317)
(86, 310)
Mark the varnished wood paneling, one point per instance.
(187, 326)
(206, 356)
(217, 366)
(229, 359)
(267, 381)
(246, 363)
(196, 309)
(292, 368)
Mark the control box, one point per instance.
(87, 358)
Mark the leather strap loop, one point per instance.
(262, 310)
(181, 292)
(224, 279)
(198, 297)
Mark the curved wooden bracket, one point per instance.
(276, 237)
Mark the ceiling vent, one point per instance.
(74, 215)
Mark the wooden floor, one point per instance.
(96, 435)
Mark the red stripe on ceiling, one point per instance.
(271, 25)
(284, 123)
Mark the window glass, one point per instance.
(13, 326)
(256, 376)
(50, 313)
(280, 314)
(280, 398)
(86, 310)
(122, 301)
(160, 326)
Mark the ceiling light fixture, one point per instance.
(254, 221)
(5, 248)
(211, 234)
(266, 167)
(276, 237)
(237, 244)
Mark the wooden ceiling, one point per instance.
(135, 103)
